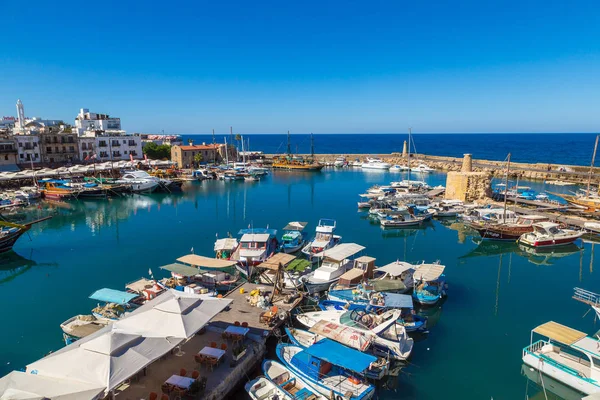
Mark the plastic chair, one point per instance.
(219, 296)
(213, 345)
(153, 396)
(182, 372)
(195, 375)
(164, 397)
(199, 358)
(237, 323)
(166, 389)
(223, 346)
(244, 324)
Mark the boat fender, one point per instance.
(149, 295)
(354, 380)
(338, 397)
(282, 315)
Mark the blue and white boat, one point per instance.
(115, 303)
(567, 355)
(389, 338)
(324, 239)
(430, 284)
(330, 367)
(305, 339)
(378, 302)
(292, 384)
(256, 245)
(293, 238)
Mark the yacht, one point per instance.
(546, 234)
(422, 168)
(375, 163)
(336, 261)
(339, 162)
(323, 240)
(140, 181)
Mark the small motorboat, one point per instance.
(262, 388)
(547, 234)
(290, 382)
(293, 238)
(430, 284)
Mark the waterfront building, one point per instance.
(8, 155)
(7, 123)
(184, 156)
(28, 149)
(58, 146)
(102, 135)
(171, 140)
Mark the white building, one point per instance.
(28, 149)
(104, 134)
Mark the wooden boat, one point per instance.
(56, 190)
(330, 367)
(80, 326)
(11, 232)
(547, 234)
(262, 388)
(297, 163)
(430, 285)
(291, 383)
(508, 231)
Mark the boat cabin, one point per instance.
(224, 248)
(115, 303)
(362, 270)
(546, 228)
(528, 220)
(256, 245)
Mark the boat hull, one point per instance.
(7, 242)
(491, 233)
(561, 375)
(547, 242)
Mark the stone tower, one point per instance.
(20, 115)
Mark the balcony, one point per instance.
(102, 144)
(116, 144)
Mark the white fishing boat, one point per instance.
(567, 355)
(140, 181)
(335, 262)
(389, 339)
(293, 237)
(323, 240)
(423, 168)
(402, 220)
(592, 227)
(262, 388)
(376, 163)
(80, 326)
(290, 382)
(429, 284)
(547, 234)
(398, 168)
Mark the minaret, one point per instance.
(20, 114)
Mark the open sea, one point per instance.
(497, 292)
(557, 148)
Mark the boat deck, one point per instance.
(582, 367)
(343, 385)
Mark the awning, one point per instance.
(140, 284)
(295, 226)
(395, 300)
(396, 268)
(428, 272)
(226, 244)
(352, 274)
(22, 386)
(113, 296)
(273, 263)
(181, 269)
(341, 333)
(206, 262)
(365, 259)
(255, 237)
(341, 251)
(386, 285)
(298, 265)
(340, 355)
(560, 333)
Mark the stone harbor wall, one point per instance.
(468, 186)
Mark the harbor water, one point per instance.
(497, 292)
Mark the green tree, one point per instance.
(157, 152)
(198, 158)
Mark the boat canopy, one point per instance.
(295, 226)
(113, 296)
(560, 333)
(181, 269)
(276, 260)
(365, 259)
(255, 237)
(140, 284)
(341, 251)
(395, 300)
(206, 262)
(396, 268)
(258, 231)
(298, 265)
(340, 355)
(428, 272)
(386, 285)
(226, 244)
(352, 274)
(340, 333)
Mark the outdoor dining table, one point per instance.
(237, 330)
(182, 382)
(212, 352)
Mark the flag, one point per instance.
(150, 273)
(131, 157)
(192, 250)
(93, 157)
(87, 158)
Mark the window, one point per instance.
(83, 146)
(125, 152)
(124, 141)
(6, 158)
(49, 150)
(56, 149)
(84, 154)
(21, 156)
(20, 144)
(72, 149)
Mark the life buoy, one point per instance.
(149, 294)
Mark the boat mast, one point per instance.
(243, 152)
(592, 167)
(214, 137)
(408, 154)
(312, 148)
(289, 146)
(226, 153)
(506, 186)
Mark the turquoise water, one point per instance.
(473, 350)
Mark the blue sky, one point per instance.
(320, 66)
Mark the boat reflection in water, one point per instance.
(543, 387)
(12, 265)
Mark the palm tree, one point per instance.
(198, 158)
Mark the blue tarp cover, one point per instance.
(340, 355)
(113, 296)
(395, 300)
